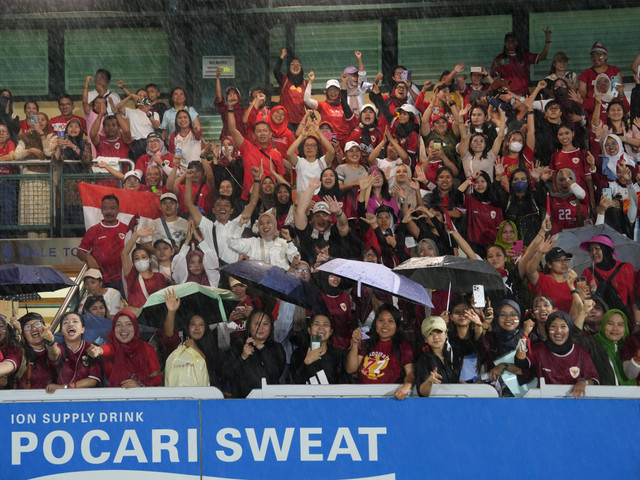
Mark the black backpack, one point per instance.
(607, 291)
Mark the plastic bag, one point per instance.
(186, 368)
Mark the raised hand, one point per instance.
(171, 300)
(547, 34)
(94, 351)
(332, 202)
(283, 53)
(311, 76)
(358, 54)
(434, 377)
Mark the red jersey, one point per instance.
(564, 212)
(282, 144)
(516, 71)
(374, 136)
(623, 282)
(25, 126)
(74, 369)
(335, 116)
(105, 243)
(238, 113)
(589, 78)
(147, 352)
(483, 220)
(292, 99)
(117, 147)
(13, 355)
(340, 311)
(144, 161)
(38, 373)
(9, 147)
(513, 163)
(382, 365)
(202, 197)
(576, 161)
(254, 156)
(562, 369)
(135, 295)
(61, 119)
(558, 292)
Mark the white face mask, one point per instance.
(142, 265)
(515, 147)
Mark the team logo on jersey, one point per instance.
(297, 89)
(343, 306)
(575, 160)
(575, 372)
(493, 214)
(374, 364)
(121, 236)
(573, 203)
(117, 145)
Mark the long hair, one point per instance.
(398, 337)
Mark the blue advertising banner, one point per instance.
(313, 439)
(97, 440)
(384, 439)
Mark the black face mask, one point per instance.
(561, 91)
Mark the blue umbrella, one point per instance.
(378, 276)
(17, 279)
(277, 282)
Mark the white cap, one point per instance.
(350, 145)
(332, 83)
(371, 106)
(410, 109)
(169, 195)
(133, 173)
(321, 207)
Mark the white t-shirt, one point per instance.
(91, 96)
(178, 230)
(306, 171)
(112, 298)
(383, 164)
(223, 232)
(139, 123)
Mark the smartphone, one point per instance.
(437, 145)
(316, 341)
(240, 310)
(34, 119)
(606, 191)
(518, 246)
(328, 135)
(475, 69)
(312, 116)
(334, 137)
(367, 85)
(404, 75)
(478, 296)
(582, 281)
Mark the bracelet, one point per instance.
(122, 87)
(230, 110)
(548, 41)
(574, 291)
(256, 181)
(49, 343)
(341, 213)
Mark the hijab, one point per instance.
(613, 349)
(499, 240)
(487, 196)
(568, 344)
(278, 130)
(128, 358)
(267, 201)
(333, 191)
(610, 163)
(507, 340)
(283, 209)
(202, 278)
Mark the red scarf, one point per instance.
(128, 358)
(278, 130)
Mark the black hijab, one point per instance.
(566, 346)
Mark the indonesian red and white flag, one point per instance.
(144, 204)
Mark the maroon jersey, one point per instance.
(13, 355)
(335, 116)
(576, 161)
(564, 212)
(105, 243)
(382, 365)
(73, 367)
(562, 369)
(38, 373)
(340, 311)
(483, 220)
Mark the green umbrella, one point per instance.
(195, 299)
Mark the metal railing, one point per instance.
(43, 200)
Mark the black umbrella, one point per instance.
(278, 283)
(18, 280)
(459, 274)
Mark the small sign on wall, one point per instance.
(211, 64)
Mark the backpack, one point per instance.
(607, 291)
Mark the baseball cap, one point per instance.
(92, 273)
(371, 106)
(350, 145)
(321, 207)
(351, 70)
(154, 136)
(233, 281)
(133, 173)
(433, 323)
(555, 253)
(332, 83)
(169, 195)
(410, 109)
(560, 57)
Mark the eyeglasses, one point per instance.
(241, 285)
(401, 87)
(295, 64)
(28, 328)
(508, 315)
(306, 271)
(311, 145)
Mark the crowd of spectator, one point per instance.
(488, 170)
